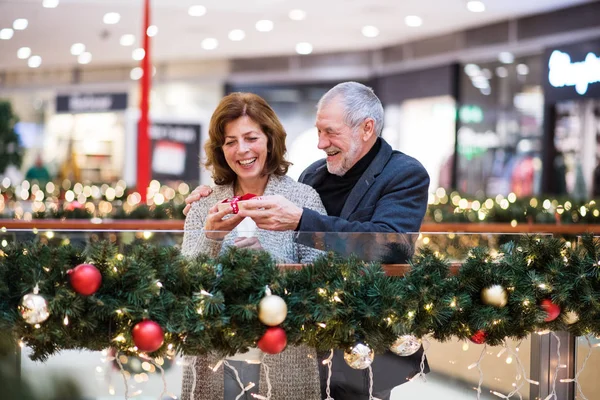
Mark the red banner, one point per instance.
(143, 143)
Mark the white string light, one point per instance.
(558, 366)
(426, 345)
(239, 381)
(267, 380)
(123, 374)
(576, 379)
(327, 362)
(478, 366)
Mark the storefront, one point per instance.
(500, 123)
(88, 132)
(571, 79)
(420, 118)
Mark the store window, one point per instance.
(501, 127)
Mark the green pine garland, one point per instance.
(211, 304)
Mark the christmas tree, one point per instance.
(10, 148)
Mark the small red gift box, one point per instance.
(236, 202)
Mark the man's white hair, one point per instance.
(359, 103)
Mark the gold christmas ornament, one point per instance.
(406, 345)
(272, 310)
(359, 357)
(34, 308)
(571, 317)
(494, 295)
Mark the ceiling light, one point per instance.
(152, 30)
(264, 25)
(297, 15)
(209, 44)
(34, 61)
(197, 11)
(506, 57)
(20, 24)
(370, 31)
(138, 54)
(475, 6)
(413, 21)
(236, 35)
(304, 48)
(50, 3)
(84, 58)
(127, 40)
(522, 69)
(486, 91)
(136, 73)
(502, 72)
(6, 33)
(77, 49)
(24, 53)
(111, 18)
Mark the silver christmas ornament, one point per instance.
(34, 308)
(406, 345)
(571, 317)
(359, 357)
(494, 295)
(272, 310)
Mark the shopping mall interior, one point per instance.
(105, 108)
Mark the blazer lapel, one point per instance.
(367, 179)
(316, 177)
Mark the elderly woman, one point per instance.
(245, 152)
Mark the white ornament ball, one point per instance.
(571, 317)
(494, 295)
(359, 357)
(406, 345)
(34, 309)
(272, 310)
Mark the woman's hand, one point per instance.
(216, 228)
(247, 243)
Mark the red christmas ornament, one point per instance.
(479, 337)
(85, 279)
(273, 341)
(552, 309)
(148, 336)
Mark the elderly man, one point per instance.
(365, 187)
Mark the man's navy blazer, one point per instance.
(391, 196)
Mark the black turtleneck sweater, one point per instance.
(334, 190)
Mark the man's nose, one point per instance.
(323, 143)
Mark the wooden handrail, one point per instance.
(390, 269)
(170, 224)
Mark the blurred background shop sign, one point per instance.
(564, 72)
(175, 151)
(91, 102)
(572, 71)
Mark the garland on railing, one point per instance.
(212, 304)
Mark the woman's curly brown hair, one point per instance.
(232, 107)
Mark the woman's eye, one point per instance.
(252, 139)
(229, 143)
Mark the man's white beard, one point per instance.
(348, 160)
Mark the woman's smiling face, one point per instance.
(245, 148)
